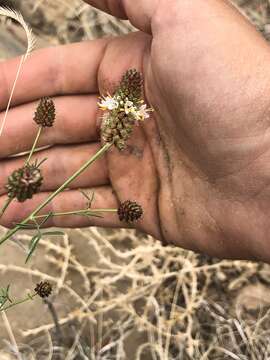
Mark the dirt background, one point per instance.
(119, 294)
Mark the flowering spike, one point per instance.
(45, 112)
(129, 211)
(131, 86)
(43, 289)
(117, 129)
(123, 110)
(24, 182)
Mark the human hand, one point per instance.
(198, 168)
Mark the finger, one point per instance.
(140, 12)
(69, 69)
(135, 46)
(75, 123)
(66, 201)
(60, 70)
(62, 162)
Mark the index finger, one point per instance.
(60, 70)
(140, 12)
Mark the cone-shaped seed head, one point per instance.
(129, 211)
(43, 289)
(23, 183)
(45, 112)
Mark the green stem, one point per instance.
(29, 297)
(105, 148)
(77, 212)
(34, 145)
(6, 205)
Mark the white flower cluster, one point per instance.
(140, 113)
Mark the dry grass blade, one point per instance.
(11, 336)
(13, 14)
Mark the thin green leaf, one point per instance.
(4, 296)
(7, 293)
(45, 219)
(33, 244)
(27, 226)
(38, 164)
(2, 303)
(33, 239)
(90, 199)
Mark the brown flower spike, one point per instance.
(45, 113)
(43, 289)
(123, 110)
(129, 211)
(23, 183)
(131, 86)
(117, 129)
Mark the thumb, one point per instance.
(139, 12)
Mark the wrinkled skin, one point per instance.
(199, 167)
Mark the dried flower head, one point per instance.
(23, 183)
(43, 289)
(45, 112)
(129, 211)
(117, 129)
(123, 110)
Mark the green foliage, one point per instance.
(4, 296)
(35, 240)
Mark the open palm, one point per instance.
(198, 167)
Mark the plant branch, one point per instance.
(99, 153)
(89, 212)
(6, 205)
(29, 297)
(34, 145)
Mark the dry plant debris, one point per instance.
(126, 296)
